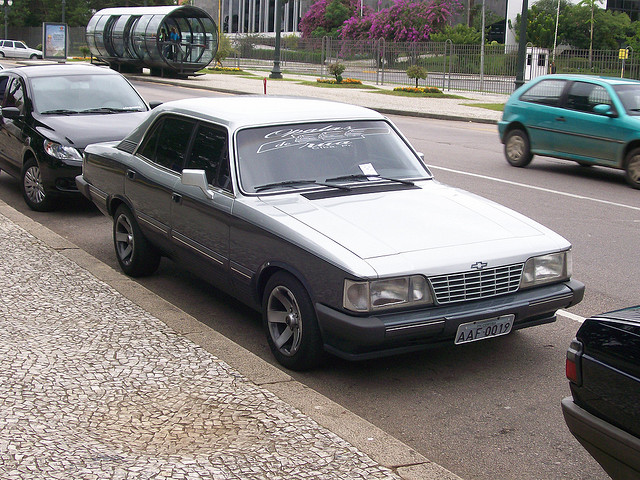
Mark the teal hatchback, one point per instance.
(586, 119)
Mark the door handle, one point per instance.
(176, 197)
(561, 119)
(131, 174)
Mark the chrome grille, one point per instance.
(476, 284)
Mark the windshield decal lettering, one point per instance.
(328, 136)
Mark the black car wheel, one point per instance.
(33, 191)
(516, 148)
(632, 168)
(136, 256)
(290, 321)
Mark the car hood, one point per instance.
(81, 130)
(429, 229)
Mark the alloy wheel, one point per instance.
(33, 187)
(284, 320)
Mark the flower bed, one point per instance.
(224, 69)
(345, 81)
(417, 90)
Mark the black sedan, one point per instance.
(50, 113)
(603, 366)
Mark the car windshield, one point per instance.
(332, 154)
(630, 97)
(76, 94)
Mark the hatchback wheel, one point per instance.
(136, 256)
(517, 149)
(33, 191)
(632, 168)
(290, 322)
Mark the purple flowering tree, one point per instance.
(326, 17)
(404, 21)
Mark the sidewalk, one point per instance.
(103, 380)
(439, 108)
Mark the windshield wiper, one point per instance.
(293, 183)
(110, 110)
(362, 176)
(60, 111)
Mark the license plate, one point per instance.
(493, 327)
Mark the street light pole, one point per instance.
(7, 4)
(276, 73)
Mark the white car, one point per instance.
(17, 49)
(325, 218)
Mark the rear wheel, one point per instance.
(33, 191)
(291, 324)
(516, 148)
(136, 256)
(632, 168)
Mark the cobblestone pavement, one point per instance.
(94, 387)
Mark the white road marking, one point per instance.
(533, 187)
(571, 316)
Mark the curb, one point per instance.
(369, 439)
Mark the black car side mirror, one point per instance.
(154, 104)
(10, 112)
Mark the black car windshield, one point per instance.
(75, 94)
(629, 95)
(324, 153)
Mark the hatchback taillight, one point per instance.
(573, 366)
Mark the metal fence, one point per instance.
(449, 66)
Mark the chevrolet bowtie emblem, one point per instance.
(479, 265)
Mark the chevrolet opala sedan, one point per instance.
(323, 217)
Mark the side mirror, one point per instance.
(154, 104)
(604, 109)
(421, 156)
(196, 178)
(10, 112)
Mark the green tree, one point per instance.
(460, 35)
(591, 4)
(224, 49)
(417, 72)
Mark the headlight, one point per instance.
(61, 152)
(381, 294)
(546, 269)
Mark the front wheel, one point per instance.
(516, 148)
(291, 324)
(33, 191)
(33, 57)
(632, 168)
(136, 256)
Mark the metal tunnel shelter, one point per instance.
(169, 40)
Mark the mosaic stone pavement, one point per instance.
(94, 387)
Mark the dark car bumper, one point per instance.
(356, 338)
(616, 451)
(60, 178)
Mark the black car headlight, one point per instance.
(373, 295)
(61, 152)
(549, 268)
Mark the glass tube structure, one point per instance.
(169, 40)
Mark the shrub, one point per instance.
(416, 72)
(336, 69)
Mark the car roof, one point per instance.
(253, 110)
(60, 69)
(608, 80)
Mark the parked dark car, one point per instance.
(50, 113)
(323, 216)
(590, 120)
(603, 413)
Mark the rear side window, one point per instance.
(546, 92)
(167, 143)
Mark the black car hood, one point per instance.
(81, 130)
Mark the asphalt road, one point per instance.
(488, 410)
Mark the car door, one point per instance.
(12, 132)
(200, 221)
(20, 50)
(541, 109)
(584, 133)
(150, 181)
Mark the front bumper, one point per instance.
(60, 178)
(616, 451)
(358, 338)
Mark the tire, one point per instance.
(632, 168)
(136, 256)
(33, 57)
(33, 191)
(290, 323)
(1, 54)
(516, 148)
